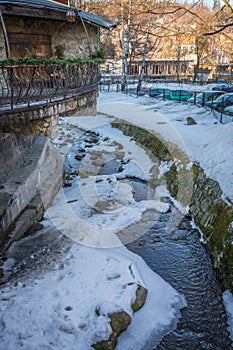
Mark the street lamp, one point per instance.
(71, 13)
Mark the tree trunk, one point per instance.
(196, 68)
(123, 58)
(145, 50)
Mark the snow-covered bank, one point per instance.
(207, 142)
(58, 311)
(228, 301)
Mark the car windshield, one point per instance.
(223, 97)
(205, 93)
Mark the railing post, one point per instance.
(203, 100)
(11, 88)
(221, 110)
(195, 98)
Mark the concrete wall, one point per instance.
(32, 170)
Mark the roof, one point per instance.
(58, 7)
(46, 4)
(97, 20)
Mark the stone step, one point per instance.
(31, 214)
(40, 174)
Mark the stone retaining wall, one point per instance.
(191, 187)
(43, 119)
(214, 216)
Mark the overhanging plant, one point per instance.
(49, 61)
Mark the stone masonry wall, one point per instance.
(214, 216)
(71, 35)
(43, 120)
(2, 45)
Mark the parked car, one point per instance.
(205, 96)
(142, 92)
(229, 110)
(221, 102)
(223, 87)
(180, 95)
(155, 92)
(176, 95)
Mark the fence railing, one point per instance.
(222, 108)
(26, 84)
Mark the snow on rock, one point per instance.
(102, 205)
(68, 308)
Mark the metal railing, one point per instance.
(27, 84)
(223, 110)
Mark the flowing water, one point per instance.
(181, 259)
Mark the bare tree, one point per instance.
(145, 51)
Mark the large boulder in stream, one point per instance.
(120, 320)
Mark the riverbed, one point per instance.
(110, 199)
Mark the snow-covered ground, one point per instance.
(57, 310)
(207, 142)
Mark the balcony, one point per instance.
(25, 85)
